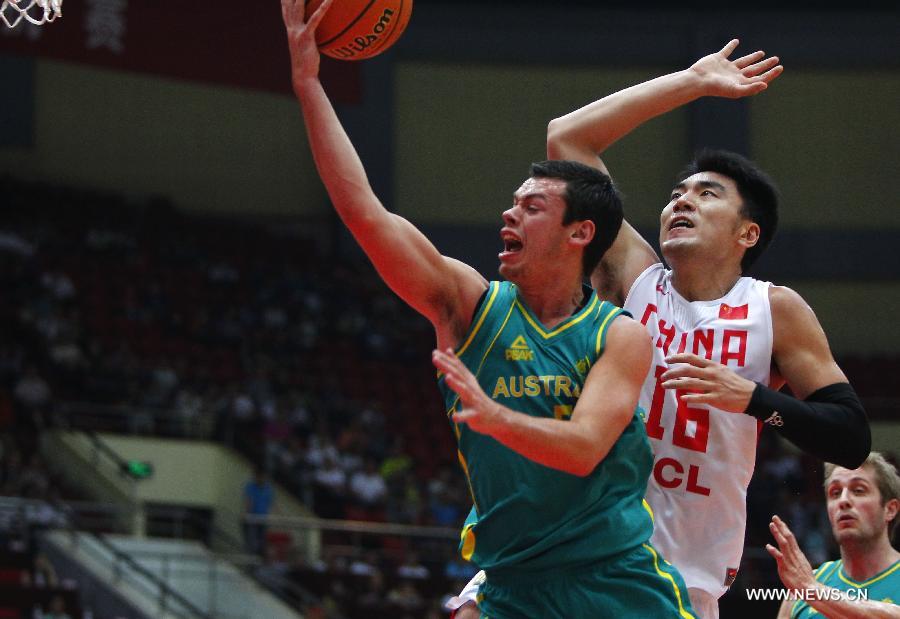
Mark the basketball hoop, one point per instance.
(45, 11)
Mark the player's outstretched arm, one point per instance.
(443, 290)
(797, 575)
(605, 407)
(587, 132)
(583, 135)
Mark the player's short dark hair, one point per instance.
(590, 195)
(759, 195)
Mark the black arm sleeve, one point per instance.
(830, 424)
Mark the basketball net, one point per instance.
(44, 11)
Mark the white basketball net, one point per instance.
(37, 12)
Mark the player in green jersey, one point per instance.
(557, 457)
(863, 506)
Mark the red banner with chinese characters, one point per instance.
(229, 42)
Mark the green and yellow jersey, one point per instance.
(883, 587)
(526, 515)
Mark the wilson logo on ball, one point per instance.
(359, 29)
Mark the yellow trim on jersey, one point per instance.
(603, 326)
(484, 313)
(467, 537)
(566, 324)
(484, 358)
(649, 510)
(465, 468)
(681, 611)
(821, 573)
(861, 585)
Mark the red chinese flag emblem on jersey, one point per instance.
(726, 312)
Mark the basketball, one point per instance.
(359, 29)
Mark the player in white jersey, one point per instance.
(725, 343)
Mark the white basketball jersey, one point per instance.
(703, 456)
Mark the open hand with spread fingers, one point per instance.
(793, 567)
(301, 33)
(480, 412)
(743, 77)
(707, 382)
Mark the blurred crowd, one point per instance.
(134, 317)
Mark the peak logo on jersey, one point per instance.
(519, 351)
(726, 312)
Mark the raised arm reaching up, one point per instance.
(442, 289)
(587, 132)
(583, 135)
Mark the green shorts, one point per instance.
(638, 584)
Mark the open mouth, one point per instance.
(680, 222)
(511, 246)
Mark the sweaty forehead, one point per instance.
(545, 186)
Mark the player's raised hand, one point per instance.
(301, 33)
(707, 382)
(743, 77)
(793, 567)
(480, 412)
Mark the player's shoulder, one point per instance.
(787, 304)
(651, 278)
(625, 331)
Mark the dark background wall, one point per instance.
(197, 107)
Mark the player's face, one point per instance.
(533, 233)
(704, 211)
(854, 505)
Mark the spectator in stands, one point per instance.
(365, 565)
(412, 568)
(33, 394)
(404, 595)
(329, 488)
(374, 596)
(367, 487)
(446, 500)
(258, 498)
(43, 574)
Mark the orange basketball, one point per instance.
(358, 29)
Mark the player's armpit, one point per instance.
(628, 257)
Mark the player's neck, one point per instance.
(703, 282)
(863, 560)
(552, 300)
